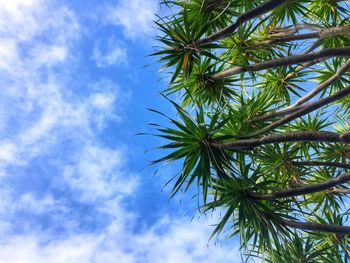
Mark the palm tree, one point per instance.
(262, 126)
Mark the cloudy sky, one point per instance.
(75, 181)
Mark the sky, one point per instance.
(76, 185)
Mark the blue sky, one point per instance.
(75, 180)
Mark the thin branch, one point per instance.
(317, 227)
(287, 35)
(339, 191)
(301, 136)
(318, 163)
(341, 71)
(334, 31)
(307, 108)
(279, 113)
(301, 67)
(314, 46)
(241, 19)
(308, 26)
(283, 39)
(287, 111)
(285, 61)
(307, 189)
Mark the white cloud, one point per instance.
(14, 5)
(37, 99)
(49, 55)
(170, 241)
(8, 151)
(33, 204)
(97, 174)
(109, 53)
(177, 240)
(40, 112)
(8, 55)
(17, 18)
(102, 100)
(136, 17)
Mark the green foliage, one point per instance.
(200, 89)
(330, 70)
(274, 82)
(324, 10)
(289, 12)
(233, 72)
(192, 141)
(213, 13)
(254, 220)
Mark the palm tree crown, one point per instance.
(262, 125)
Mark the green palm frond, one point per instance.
(253, 220)
(324, 10)
(300, 249)
(290, 11)
(328, 71)
(193, 140)
(245, 113)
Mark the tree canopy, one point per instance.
(262, 132)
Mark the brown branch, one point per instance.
(307, 189)
(308, 26)
(279, 113)
(286, 35)
(318, 163)
(314, 46)
(342, 70)
(288, 110)
(286, 61)
(301, 67)
(339, 191)
(296, 106)
(307, 108)
(317, 227)
(283, 39)
(334, 31)
(241, 19)
(301, 136)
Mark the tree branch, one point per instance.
(339, 191)
(307, 189)
(307, 108)
(308, 26)
(317, 227)
(311, 48)
(288, 110)
(303, 136)
(241, 19)
(342, 70)
(318, 163)
(320, 34)
(286, 61)
(279, 113)
(282, 39)
(301, 67)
